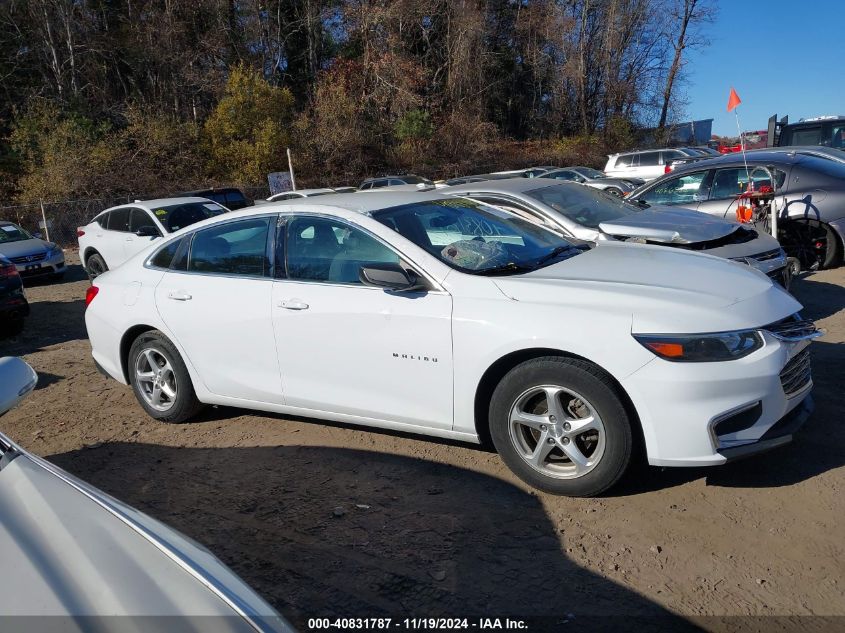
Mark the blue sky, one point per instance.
(782, 57)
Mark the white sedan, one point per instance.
(451, 318)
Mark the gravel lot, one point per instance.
(332, 520)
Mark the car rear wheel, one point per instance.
(811, 242)
(560, 426)
(160, 379)
(95, 266)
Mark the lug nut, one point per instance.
(551, 440)
(567, 426)
(566, 440)
(552, 419)
(543, 427)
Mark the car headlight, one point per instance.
(702, 348)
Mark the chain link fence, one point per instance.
(58, 221)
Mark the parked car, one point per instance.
(828, 131)
(830, 153)
(32, 256)
(593, 216)
(528, 172)
(447, 317)
(13, 305)
(229, 197)
(392, 181)
(644, 164)
(71, 551)
(300, 193)
(595, 178)
(118, 233)
(812, 225)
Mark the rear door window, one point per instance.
(649, 159)
(233, 248)
(119, 220)
(139, 218)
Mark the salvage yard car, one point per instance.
(448, 317)
(596, 179)
(580, 213)
(14, 307)
(811, 228)
(73, 554)
(32, 256)
(116, 234)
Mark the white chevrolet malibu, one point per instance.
(447, 317)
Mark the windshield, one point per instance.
(583, 205)
(588, 172)
(476, 238)
(13, 233)
(177, 216)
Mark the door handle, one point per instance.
(293, 304)
(179, 295)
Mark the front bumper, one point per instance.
(779, 433)
(701, 414)
(33, 266)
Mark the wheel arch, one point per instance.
(499, 369)
(126, 344)
(89, 251)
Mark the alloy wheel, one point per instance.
(155, 379)
(557, 431)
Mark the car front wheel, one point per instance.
(560, 426)
(160, 379)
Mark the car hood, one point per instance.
(23, 247)
(670, 225)
(71, 550)
(664, 290)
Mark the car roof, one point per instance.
(780, 158)
(360, 201)
(160, 202)
(509, 185)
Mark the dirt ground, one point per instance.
(332, 520)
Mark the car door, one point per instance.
(648, 166)
(133, 243)
(686, 190)
(358, 350)
(215, 300)
(725, 187)
(110, 241)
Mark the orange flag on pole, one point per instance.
(733, 100)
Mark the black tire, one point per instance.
(185, 405)
(95, 266)
(833, 249)
(812, 243)
(615, 191)
(598, 390)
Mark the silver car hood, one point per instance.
(71, 550)
(671, 225)
(23, 247)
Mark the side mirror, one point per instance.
(17, 379)
(390, 277)
(147, 231)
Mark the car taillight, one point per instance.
(7, 270)
(79, 231)
(90, 294)
(667, 169)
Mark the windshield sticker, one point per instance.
(213, 207)
(9, 229)
(160, 212)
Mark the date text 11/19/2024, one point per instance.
(416, 624)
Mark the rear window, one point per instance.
(824, 166)
(164, 257)
(177, 216)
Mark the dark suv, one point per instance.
(828, 131)
(230, 197)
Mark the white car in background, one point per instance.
(448, 317)
(645, 164)
(73, 554)
(120, 232)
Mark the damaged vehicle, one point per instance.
(579, 212)
(594, 178)
(79, 557)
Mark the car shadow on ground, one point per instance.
(820, 299)
(329, 532)
(40, 328)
